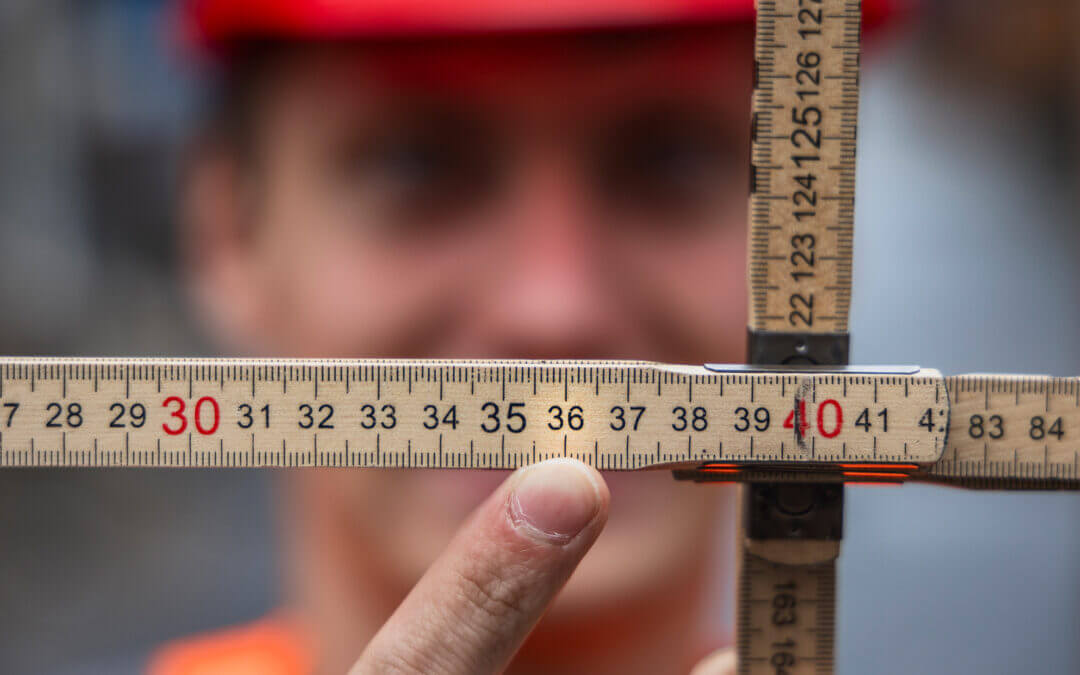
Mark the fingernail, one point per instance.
(554, 500)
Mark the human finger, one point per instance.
(475, 606)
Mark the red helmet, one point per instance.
(214, 24)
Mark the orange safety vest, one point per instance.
(269, 646)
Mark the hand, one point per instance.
(478, 602)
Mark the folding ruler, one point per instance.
(795, 426)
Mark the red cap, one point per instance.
(214, 24)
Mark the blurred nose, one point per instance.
(549, 300)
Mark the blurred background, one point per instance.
(966, 260)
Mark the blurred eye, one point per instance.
(425, 172)
(666, 167)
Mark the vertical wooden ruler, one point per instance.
(802, 191)
(802, 197)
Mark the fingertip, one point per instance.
(556, 500)
(720, 662)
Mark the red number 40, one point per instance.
(804, 423)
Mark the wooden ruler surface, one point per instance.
(440, 414)
(788, 612)
(1012, 432)
(802, 190)
(725, 424)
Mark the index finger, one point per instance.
(475, 606)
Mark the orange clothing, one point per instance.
(269, 646)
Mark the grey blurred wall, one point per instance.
(97, 567)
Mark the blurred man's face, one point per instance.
(579, 197)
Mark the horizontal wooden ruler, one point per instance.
(1012, 431)
(505, 414)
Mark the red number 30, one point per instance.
(182, 423)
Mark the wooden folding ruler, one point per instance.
(794, 426)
